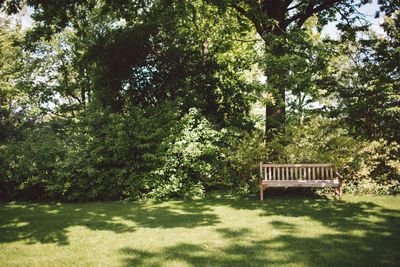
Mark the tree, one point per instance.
(13, 96)
(144, 52)
(369, 86)
(10, 64)
(274, 21)
(306, 68)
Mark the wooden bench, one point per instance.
(300, 175)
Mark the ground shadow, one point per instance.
(340, 215)
(332, 250)
(356, 239)
(48, 223)
(378, 244)
(183, 213)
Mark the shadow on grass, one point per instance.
(284, 250)
(186, 214)
(362, 233)
(339, 215)
(48, 223)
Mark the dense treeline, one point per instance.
(133, 99)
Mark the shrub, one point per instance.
(203, 157)
(28, 166)
(375, 169)
(190, 162)
(317, 141)
(241, 156)
(100, 156)
(159, 152)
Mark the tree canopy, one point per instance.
(115, 99)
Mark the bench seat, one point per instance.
(301, 183)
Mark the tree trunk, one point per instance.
(276, 113)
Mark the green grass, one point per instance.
(281, 231)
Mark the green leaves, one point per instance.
(368, 87)
(316, 141)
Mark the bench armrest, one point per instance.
(338, 175)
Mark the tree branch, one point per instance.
(302, 17)
(242, 11)
(293, 7)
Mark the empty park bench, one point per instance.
(299, 175)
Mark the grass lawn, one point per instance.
(281, 231)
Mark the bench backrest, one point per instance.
(297, 172)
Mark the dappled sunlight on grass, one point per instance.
(299, 230)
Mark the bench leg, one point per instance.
(340, 189)
(339, 192)
(261, 193)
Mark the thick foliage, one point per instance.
(159, 153)
(152, 152)
(190, 160)
(27, 167)
(368, 84)
(103, 156)
(241, 157)
(204, 158)
(316, 141)
(375, 169)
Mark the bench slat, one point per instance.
(297, 165)
(289, 172)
